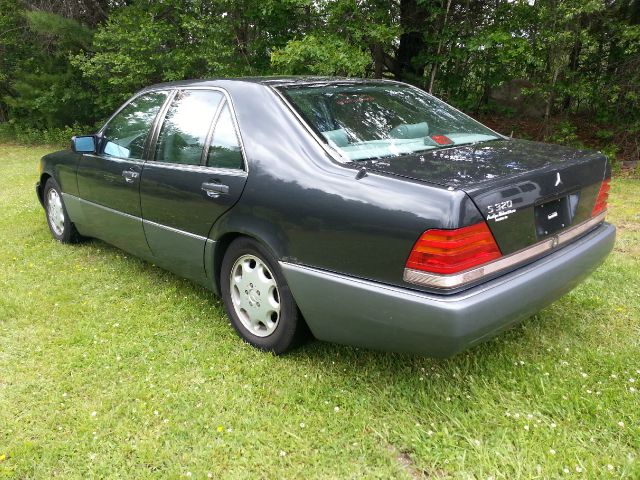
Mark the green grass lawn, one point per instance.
(111, 367)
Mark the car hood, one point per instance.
(470, 165)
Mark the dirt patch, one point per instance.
(409, 466)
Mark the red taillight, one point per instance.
(603, 197)
(452, 251)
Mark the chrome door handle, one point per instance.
(214, 190)
(130, 176)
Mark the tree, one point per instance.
(76, 60)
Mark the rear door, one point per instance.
(109, 181)
(197, 172)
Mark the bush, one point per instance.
(16, 133)
(565, 133)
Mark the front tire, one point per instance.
(257, 298)
(57, 218)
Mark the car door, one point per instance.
(197, 172)
(109, 181)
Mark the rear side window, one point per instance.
(127, 132)
(185, 127)
(224, 151)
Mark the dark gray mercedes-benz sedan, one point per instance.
(367, 212)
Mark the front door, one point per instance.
(109, 181)
(197, 173)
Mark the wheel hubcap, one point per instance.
(55, 212)
(255, 296)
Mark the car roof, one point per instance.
(273, 81)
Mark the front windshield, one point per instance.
(365, 121)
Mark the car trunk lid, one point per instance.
(526, 191)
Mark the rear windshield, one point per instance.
(367, 121)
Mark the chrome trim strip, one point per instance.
(212, 127)
(133, 217)
(174, 230)
(109, 158)
(236, 172)
(152, 139)
(434, 280)
(111, 210)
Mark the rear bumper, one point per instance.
(346, 310)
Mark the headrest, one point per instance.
(337, 138)
(410, 130)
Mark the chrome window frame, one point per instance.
(201, 167)
(145, 153)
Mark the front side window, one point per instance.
(368, 121)
(127, 132)
(185, 127)
(224, 151)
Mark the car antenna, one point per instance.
(361, 173)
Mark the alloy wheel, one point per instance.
(55, 212)
(255, 296)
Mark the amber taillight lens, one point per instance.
(603, 197)
(453, 251)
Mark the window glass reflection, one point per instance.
(224, 151)
(365, 121)
(127, 132)
(185, 127)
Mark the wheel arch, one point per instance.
(222, 245)
(40, 190)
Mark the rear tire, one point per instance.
(57, 218)
(257, 298)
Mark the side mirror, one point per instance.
(84, 144)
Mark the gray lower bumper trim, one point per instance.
(343, 309)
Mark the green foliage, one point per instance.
(321, 56)
(65, 32)
(611, 150)
(14, 49)
(340, 40)
(565, 134)
(43, 90)
(148, 42)
(605, 134)
(17, 133)
(75, 61)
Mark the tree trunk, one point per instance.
(547, 111)
(378, 60)
(413, 22)
(434, 68)
(574, 61)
